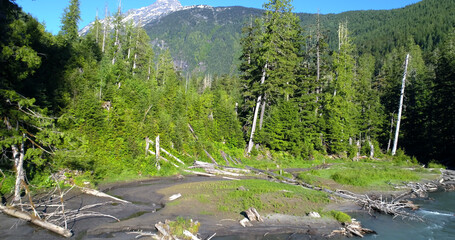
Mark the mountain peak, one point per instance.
(168, 2)
(146, 14)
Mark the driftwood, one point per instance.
(220, 170)
(97, 193)
(252, 215)
(190, 235)
(172, 156)
(144, 234)
(200, 173)
(163, 229)
(35, 220)
(447, 181)
(352, 229)
(213, 235)
(175, 197)
(223, 154)
(210, 157)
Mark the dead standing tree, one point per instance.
(400, 107)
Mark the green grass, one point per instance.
(262, 195)
(340, 216)
(362, 174)
(180, 224)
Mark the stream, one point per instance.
(438, 212)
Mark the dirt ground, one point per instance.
(150, 204)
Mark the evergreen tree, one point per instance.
(70, 20)
(443, 98)
(340, 109)
(271, 64)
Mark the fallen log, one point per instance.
(253, 215)
(161, 228)
(245, 223)
(190, 235)
(210, 157)
(38, 222)
(97, 193)
(223, 154)
(200, 173)
(172, 156)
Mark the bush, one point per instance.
(435, 164)
(341, 216)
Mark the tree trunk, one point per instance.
(256, 111)
(400, 108)
(261, 119)
(157, 148)
(27, 217)
(371, 149)
(253, 128)
(390, 134)
(106, 22)
(19, 165)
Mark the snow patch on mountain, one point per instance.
(144, 15)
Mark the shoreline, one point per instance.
(151, 204)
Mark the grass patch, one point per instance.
(263, 195)
(368, 175)
(362, 174)
(173, 203)
(340, 216)
(180, 224)
(207, 213)
(434, 164)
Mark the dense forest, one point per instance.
(89, 103)
(206, 40)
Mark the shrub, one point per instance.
(341, 216)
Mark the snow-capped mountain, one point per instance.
(144, 15)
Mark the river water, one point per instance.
(438, 212)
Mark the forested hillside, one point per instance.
(203, 39)
(208, 32)
(92, 103)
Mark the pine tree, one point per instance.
(70, 20)
(443, 92)
(340, 109)
(272, 63)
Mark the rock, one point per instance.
(314, 215)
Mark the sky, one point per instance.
(50, 12)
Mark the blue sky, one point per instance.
(50, 12)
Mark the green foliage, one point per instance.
(434, 164)
(180, 224)
(340, 216)
(71, 17)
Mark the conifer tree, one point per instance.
(272, 63)
(341, 110)
(70, 20)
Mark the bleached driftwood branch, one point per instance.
(37, 221)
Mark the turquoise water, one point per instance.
(438, 213)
